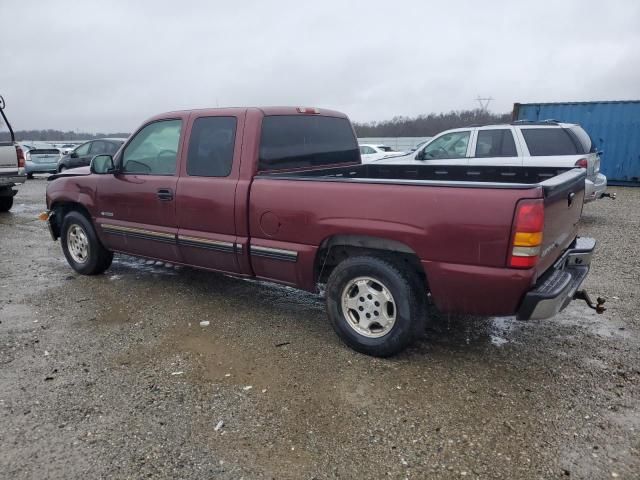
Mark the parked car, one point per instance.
(66, 148)
(370, 152)
(81, 156)
(12, 160)
(42, 160)
(544, 144)
(280, 194)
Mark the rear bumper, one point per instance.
(555, 289)
(11, 180)
(595, 188)
(32, 167)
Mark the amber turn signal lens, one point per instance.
(44, 216)
(527, 239)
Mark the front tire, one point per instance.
(81, 245)
(375, 306)
(6, 203)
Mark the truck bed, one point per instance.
(442, 175)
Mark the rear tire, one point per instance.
(375, 306)
(6, 203)
(81, 246)
(30, 176)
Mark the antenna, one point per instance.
(484, 102)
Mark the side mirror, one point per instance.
(73, 155)
(420, 155)
(101, 164)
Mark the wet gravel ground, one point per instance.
(114, 377)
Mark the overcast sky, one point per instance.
(106, 66)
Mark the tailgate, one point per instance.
(563, 200)
(8, 155)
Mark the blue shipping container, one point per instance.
(613, 126)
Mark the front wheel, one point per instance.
(81, 245)
(374, 306)
(62, 169)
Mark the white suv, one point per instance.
(523, 143)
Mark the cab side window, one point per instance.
(211, 147)
(154, 149)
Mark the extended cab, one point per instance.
(281, 194)
(12, 162)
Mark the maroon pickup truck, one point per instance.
(281, 194)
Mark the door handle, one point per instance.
(165, 194)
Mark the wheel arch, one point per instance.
(60, 209)
(336, 248)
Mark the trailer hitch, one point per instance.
(612, 196)
(583, 295)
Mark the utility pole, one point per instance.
(484, 102)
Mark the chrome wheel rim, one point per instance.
(78, 243)
(368, 307)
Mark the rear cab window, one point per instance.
(299, 141)
(543, 142)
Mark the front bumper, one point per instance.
(555, 289)
(595, 188)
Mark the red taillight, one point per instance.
(309, 110)
(582, 163)
(20, 157)
(527, 234)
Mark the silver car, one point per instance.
(42, 160)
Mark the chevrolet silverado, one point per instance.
(281, 194)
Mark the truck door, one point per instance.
(206, 191)
(136, 208)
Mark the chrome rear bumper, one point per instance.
(556, 288)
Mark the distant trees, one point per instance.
(56, 135)
(428, 125)
(420, 126)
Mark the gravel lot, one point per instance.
(114, 377)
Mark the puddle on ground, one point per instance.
(124, 264)
(596, 324)
(469, 330)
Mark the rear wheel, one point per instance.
(6, 203)
(81, 245)
(29, 176)
(62, 169)
(375, 306)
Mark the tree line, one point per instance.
(56, 135)
(428, 125)
(420, 126)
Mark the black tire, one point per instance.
(408, 305)
(62, 169)
(98, 258)
(29, 176)
(6, 203)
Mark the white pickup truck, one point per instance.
(12, 161)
